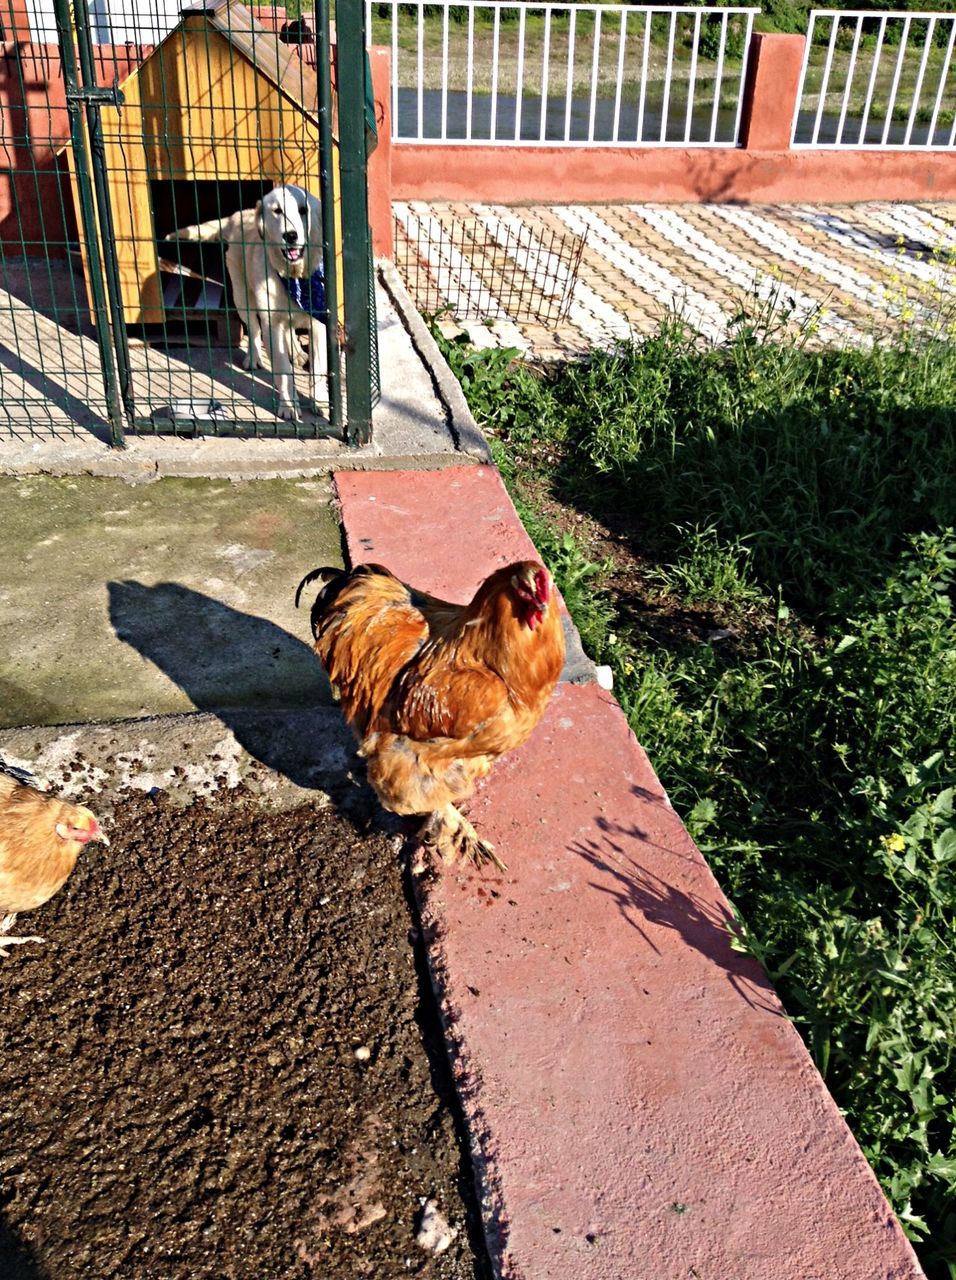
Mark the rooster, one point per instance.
(40, 840)
(433, 691)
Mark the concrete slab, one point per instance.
(55, 423)
(639, 1104)
(124, 600)
(283, 756)
(443, 530)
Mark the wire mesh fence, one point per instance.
(170, 223)
(487, 266)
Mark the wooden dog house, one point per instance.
(212, 118)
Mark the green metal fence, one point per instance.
(184, 243)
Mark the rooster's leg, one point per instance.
(454, 837)
(5, 924)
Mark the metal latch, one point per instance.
(113, 95)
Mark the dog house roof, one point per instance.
(281, 63)
(289, 67)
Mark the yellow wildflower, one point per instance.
(894, 843)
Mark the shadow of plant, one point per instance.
(644, 898)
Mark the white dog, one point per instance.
(274, 259)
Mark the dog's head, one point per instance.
(288, 223)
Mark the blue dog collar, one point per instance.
(308, 294)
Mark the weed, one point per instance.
(709, 572)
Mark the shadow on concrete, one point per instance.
(21, 705)
(17, 1260)
(52, 389)
(237, 666)
(643, 898)
(50, 347)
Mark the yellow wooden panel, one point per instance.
(201, 110)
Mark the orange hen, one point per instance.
(40, 840)
(435, 692)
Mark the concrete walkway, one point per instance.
(419, 422)
(160, 578)
(639, 1106)
(122, 600)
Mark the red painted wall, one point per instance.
(33, 126)
(763, 170)
(536, 175)
(380, 161)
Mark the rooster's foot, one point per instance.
(454, 838)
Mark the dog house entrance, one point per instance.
(195, 284)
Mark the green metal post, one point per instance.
(74, 97)
(323, 65)
(356, 246)
(93, 97)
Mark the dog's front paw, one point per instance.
(289, 411)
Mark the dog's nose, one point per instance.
(290, 237)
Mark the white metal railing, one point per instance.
(878, 79)
(486, 71)
(111, 21)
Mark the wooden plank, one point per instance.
(281, 63)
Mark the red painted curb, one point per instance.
(639, 1104)
(442, 531)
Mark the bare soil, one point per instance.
(182, 1096)
(613, 538)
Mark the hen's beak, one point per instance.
(82, 835)
(97, 833)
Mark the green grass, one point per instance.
(455, 76)
(798, 507)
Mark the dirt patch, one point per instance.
(224, 1062)
(613, 539)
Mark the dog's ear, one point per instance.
(313, 226)
(315, 217)
(260, 222)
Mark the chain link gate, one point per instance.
(173, 179)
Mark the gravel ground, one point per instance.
(225, 1062)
